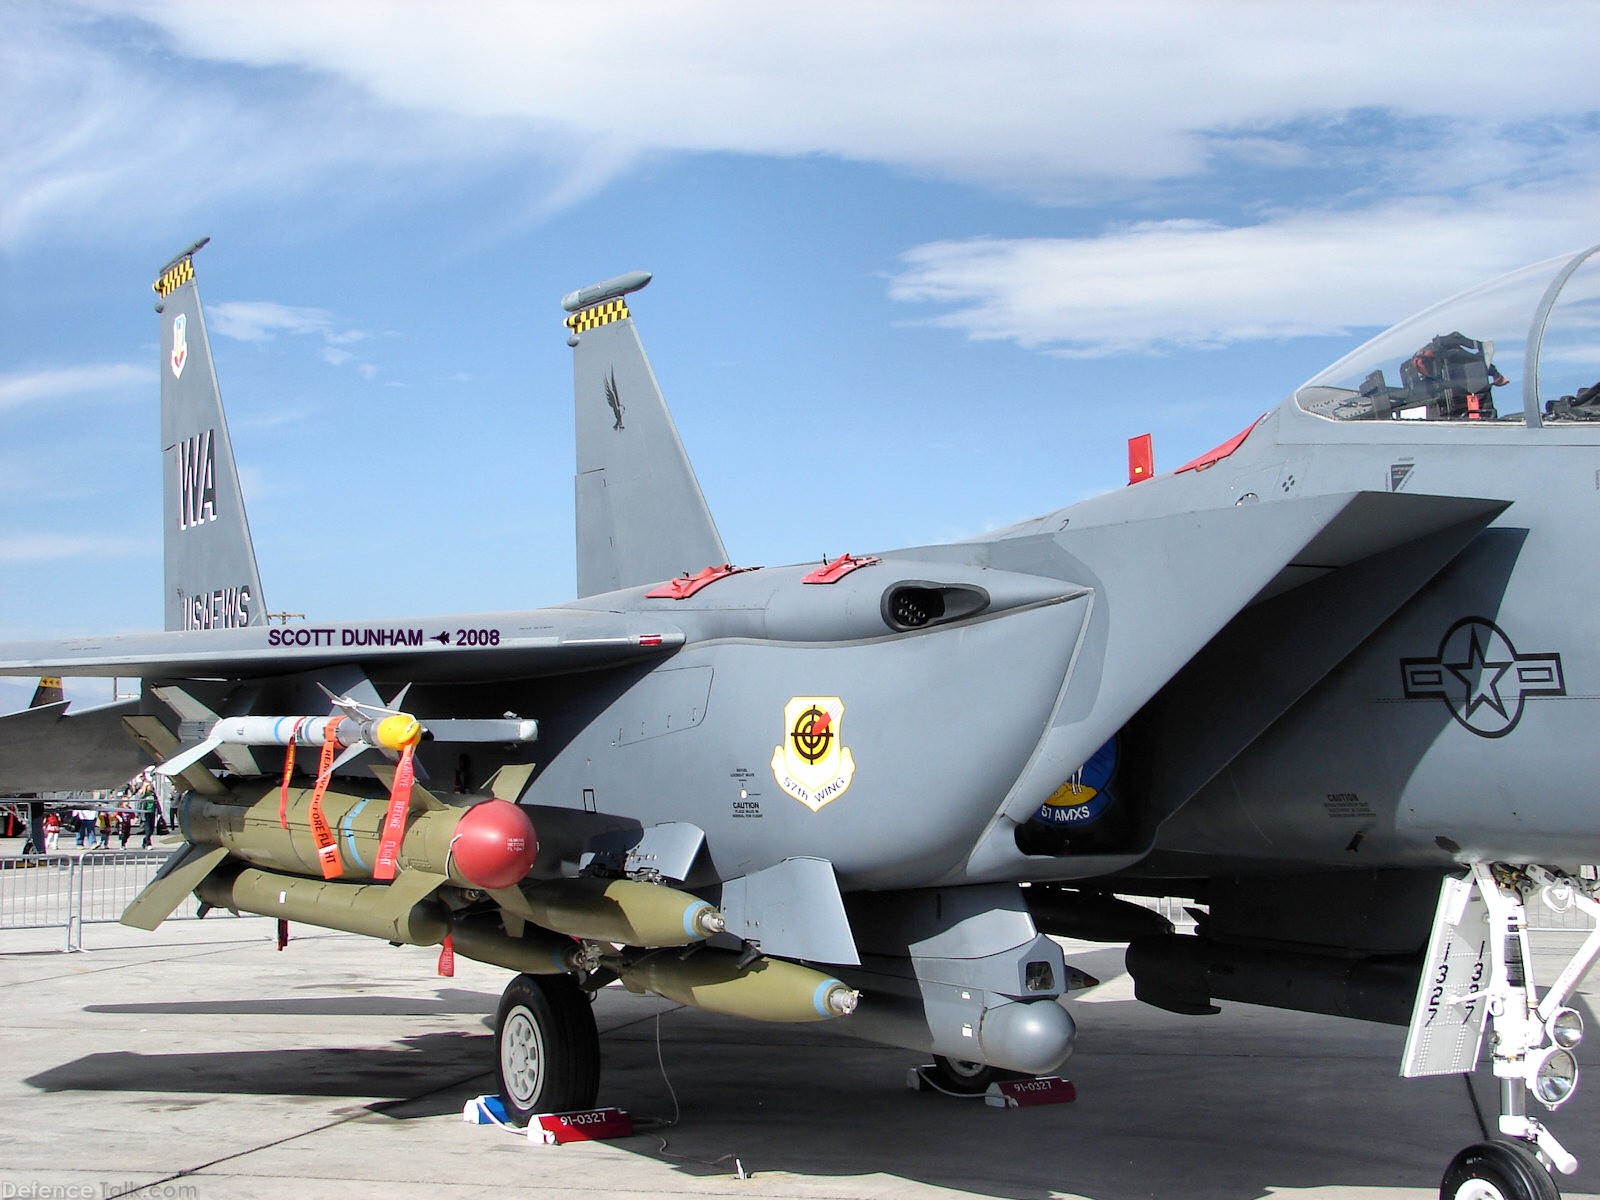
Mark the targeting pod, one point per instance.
(489, 845)
(769, 989)
(622, 911)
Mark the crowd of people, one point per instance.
(133, 809)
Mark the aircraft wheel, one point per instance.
(1497, 1171)
(967, 1078)
(546, 1047)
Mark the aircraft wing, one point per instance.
(48, 748)
(481, 647)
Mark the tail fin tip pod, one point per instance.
(211, 579)
(641, 516)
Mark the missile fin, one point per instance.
(194, 712)
(412, 887)
(422, 800)
(514, 902)
(179, 876)
(187, 758)
(350, 752)
(509, 781)
(159, 742)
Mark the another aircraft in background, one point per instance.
(1336, 680)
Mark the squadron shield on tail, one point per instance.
(1313, 680)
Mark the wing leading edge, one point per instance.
(482, 646)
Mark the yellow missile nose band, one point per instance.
(399, 731)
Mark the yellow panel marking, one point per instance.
(598, 315)
(173, 278)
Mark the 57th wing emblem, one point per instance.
(813, 764)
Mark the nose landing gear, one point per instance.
(1497, 1171)
(1478, 972)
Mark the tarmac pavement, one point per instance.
(198, 1063)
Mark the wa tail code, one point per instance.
(197, 480)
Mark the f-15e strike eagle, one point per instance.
(1335, 681)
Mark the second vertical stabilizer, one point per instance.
(640, 513)
(211, 578)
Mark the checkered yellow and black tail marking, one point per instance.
(174, 277)
(600, 314)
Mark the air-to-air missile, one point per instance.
(353, 729)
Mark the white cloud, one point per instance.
(1034, 94)
(262, 320)
(27, 548)
(1060, 101)
(1428, 179)
(101, 130)
(1175, 284)
(73, 383)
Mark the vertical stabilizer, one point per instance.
(49, 691)
(641, 515)
(211, 578)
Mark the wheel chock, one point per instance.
(552, 1129)
(1012, 1093)
(589, 1125)
(485, 1110)
(1026, 1093)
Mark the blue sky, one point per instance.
(921, 268)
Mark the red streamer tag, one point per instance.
(447, 957)
(283, 933)
(327, 845)
(394, 824)
(288, 770)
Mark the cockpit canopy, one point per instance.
(1524, 348)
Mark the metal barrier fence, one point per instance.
(69, 891)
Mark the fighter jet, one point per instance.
(1334, 682)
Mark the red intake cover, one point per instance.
(495, 845)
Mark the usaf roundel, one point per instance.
(812, 763)
(1481, 677)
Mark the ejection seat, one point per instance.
(1452, 377)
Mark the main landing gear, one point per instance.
(546, 1046)
(1479, 966)
(959, 1078)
